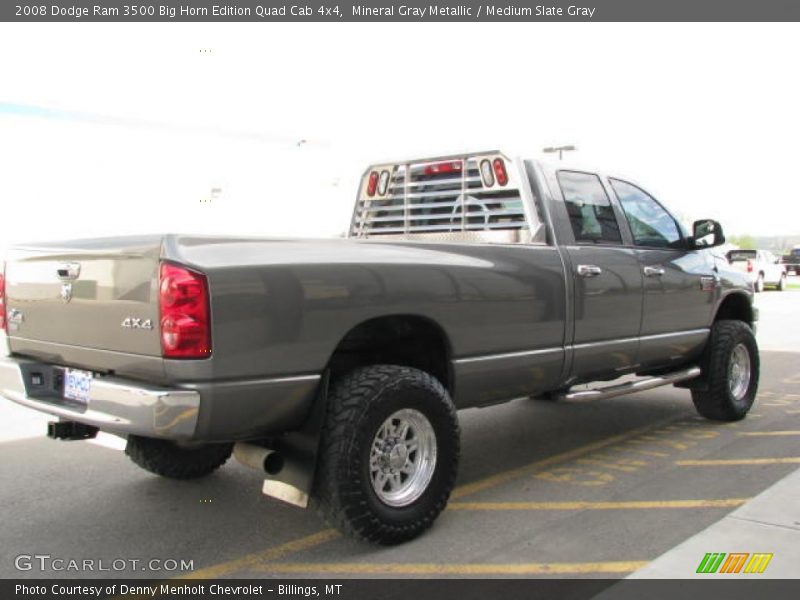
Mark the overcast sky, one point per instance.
(123, 128)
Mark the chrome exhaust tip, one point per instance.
(257, 457)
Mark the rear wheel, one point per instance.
(731, 369)
(759, 285)
(782, 283)
(389, 454)
(168, 459)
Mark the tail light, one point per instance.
(372, 184)
(450, 166)
(500, 172)
(749, 266)
(184, 313)
(3, 299)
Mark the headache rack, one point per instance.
(472, 197)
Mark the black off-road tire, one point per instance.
(169, 459)
(716, 402)
(358, 405)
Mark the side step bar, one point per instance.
(632, 387)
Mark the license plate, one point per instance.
(77, 385)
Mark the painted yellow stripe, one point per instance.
(510, 475)
(769, 433)
(456, 569)
(647, 504)
(738, 461)
(247, 561)
(274, 553)
(305, 543)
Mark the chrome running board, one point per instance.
(632, 387)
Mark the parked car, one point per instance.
(791, 261)
(762, 267)
(336, 367)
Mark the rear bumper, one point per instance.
(115, 405)
(205, 411)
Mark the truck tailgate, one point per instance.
(64, 299)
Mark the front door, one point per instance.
(679, 284)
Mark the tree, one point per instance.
(745, 242)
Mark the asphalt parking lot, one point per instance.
(577, 489)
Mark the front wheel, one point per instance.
(731, 369)
(389, 454)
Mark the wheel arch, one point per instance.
(405, 339)
(736, 306)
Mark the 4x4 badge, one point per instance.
(134, 323)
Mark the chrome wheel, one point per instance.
(739, 372)
(402, 457)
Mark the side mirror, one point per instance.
(707, 233)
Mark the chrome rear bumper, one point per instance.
(116, 405)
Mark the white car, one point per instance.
(762, 266)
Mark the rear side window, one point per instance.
(590, 212)
(651, 225)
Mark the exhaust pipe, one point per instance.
(259, 458)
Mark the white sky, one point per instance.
(705, 116)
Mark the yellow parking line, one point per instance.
(769, 432)
(305, 543)
(274, 553)
(646, 504)
(510, 475)
(457, 569)
(738, 461)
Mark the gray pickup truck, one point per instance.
(337, 366)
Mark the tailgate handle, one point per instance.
(68, 271)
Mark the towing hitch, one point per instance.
(70, 431)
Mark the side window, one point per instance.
(590, 212)
(651, 225)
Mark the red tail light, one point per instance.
(372, 184)
(3, 299)
(184, 313)
(500, 172)
(749, 266)
(450, 166)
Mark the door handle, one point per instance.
(653, 271)
(589, 270)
